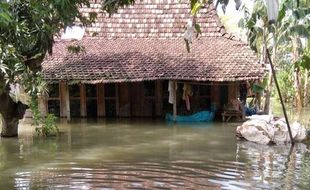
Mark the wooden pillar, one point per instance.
(159, 98)
(215, 95)
(232, 91)
(135, 99)
(100, 100)
(117, 99)
(175, 100)
(67, 103)
(124, 100)
(62, 93)
(83, 100)
(64, 100)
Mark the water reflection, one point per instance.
(129, 154)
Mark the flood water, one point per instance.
(149, 154)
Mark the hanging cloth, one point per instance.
(171, 91)
(187, 92)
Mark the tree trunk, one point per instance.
(9, 127)
(305, 98)
(11, 113)
(297, 82)
(267, 109)
(297, 86)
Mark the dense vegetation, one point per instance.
(287, 40)
(27, 30)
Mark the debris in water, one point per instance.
(266, 129)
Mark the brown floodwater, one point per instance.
(149, 154)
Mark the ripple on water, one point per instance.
(161, 175)
(264, 168)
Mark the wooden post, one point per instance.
(232, 91)
(280, 96)
(175, 100)
(159, 98)
(215, 95)
(83, 100)
(63, 109)
(117, 99)
(100, 100)
(68, 103)
(124, 100)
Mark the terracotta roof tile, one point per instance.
(152, 19)
(145, 42)
(119, 60)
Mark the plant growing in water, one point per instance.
(45, 126)
(49, 127)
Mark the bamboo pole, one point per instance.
(280, 96)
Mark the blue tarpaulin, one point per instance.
(202, 116)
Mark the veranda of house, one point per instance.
(136, 99)
(130, 57)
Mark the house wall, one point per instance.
(138, 99)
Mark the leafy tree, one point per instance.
(260, 38)
(282, 37)
(295, 25)
(27, 30)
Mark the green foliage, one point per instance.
(76, 49)
(286, 81)
(45, 126)
(283, 39)
(34, 107)
(49, 127)
(196, 6)
(304, 61)
(27, 31)
(111, 6)
(256, 23)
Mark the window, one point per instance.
(53, 91)
(75, 104)
(74, 91)
(205, 90)
(91, 100)
(110, 99)
(54, 107)
(149, 88)
(53, 101)
(75, 107)
(91, 91)
(167, 107)
(109, 90)
(149, 98)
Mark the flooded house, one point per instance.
(131, 60)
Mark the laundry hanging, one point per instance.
(187, 92)
(171, 88)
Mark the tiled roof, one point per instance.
(120, 60)
(153, 19)
(145, 42)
